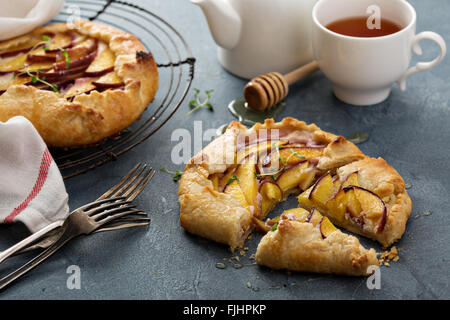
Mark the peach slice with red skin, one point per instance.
(314, 217)
(372, 206)
(103, 62)
(353, 205)
(336, 206)
(326, 227)
(322, 190)
(351, 180)
(291, 178)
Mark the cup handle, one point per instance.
(423, 66)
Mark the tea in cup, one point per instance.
(364, 46)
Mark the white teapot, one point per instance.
(260, 36)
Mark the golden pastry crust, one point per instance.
(202, 208)
(299, 246)
(92, 117)
(379, 177)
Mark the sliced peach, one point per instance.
(292, 177)
(322, 190)
(271, 194)
(303, 198)
(247, 180)
(80, 86)
(297, 214)
(291, 156)
(13, 64)
(109, 80)
(234, 190)
(308, 176)
(42, 67)
(351, 180)
(326, 227)
(103, 62)
(59, 41)
(353, 205)
(336, 184)
(25, 45)
(314, 217)
(372, 206)
(337, 206)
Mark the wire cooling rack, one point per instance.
(176, 72)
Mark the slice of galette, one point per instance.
(367, 197)
(79, 85)
(306, 241)
(235, 181)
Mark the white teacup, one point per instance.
(363, 70)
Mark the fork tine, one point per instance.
(113, 211)
(123, 226)
(129, 219)
(141, 187)
(118, 184)
(100, 202)
(115, 216)
(104, 207)
(121, 191)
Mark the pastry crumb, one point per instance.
(391, 255)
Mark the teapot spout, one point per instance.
(223, 21)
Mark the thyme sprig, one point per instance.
(233, 178)
(176, 174)
(197, 104)
(35, 78)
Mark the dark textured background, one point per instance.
(410, 130)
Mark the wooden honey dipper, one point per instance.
(265, 91)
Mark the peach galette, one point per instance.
(228, 189)
(77, 86)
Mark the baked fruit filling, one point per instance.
(68, 63)
(313, 217)
(346, 202)
(266, 172)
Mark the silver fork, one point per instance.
(129, 186)
(95, 217)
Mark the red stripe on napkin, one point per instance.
(42, 177)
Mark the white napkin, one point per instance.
(31, 187)
(18, 17)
